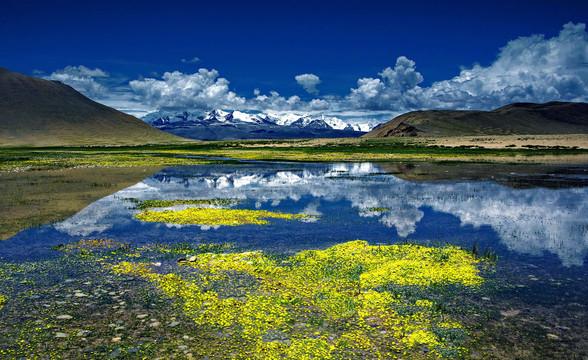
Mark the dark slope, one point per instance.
(37, 112)
(518, 118)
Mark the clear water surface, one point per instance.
(536, 224)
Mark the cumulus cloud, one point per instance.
(318, 104)
(193, 60)
(532, 69)
(179, 91)
(308, 82)
(528, 69)
(396, 89)
(274, 101)
(83, 79)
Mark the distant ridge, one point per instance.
(37, 112)
(218, 124)
(517, 118)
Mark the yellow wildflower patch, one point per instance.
(351, 284)
(213, 217)
(2, 301)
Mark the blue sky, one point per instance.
(118, 52)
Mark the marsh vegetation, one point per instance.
(256, 259)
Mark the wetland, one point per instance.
(196, 257)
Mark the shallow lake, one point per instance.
(536, 223)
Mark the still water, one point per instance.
(537, 224)
(351, 201)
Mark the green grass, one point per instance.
(388, 149)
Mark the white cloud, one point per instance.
(531, 69)
(82, 79)
(308, 82)
(528, 69)
(318, 104)
(201, 90)
(193, 60)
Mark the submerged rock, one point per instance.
(509, 313)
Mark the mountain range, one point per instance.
(517, 118)
(37, 112)
(230, 125)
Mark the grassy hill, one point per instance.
(518, 118)
(37, 112)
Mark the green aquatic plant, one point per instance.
(213, 217)
(378, 209)
(150, 204)
(324, 304)
(87, 247)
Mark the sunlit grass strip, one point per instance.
(213, 217)
(352, 283)
(39, 160)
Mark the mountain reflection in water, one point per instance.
(360, 201)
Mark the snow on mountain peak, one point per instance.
(306, 120)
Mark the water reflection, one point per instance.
(356, 200)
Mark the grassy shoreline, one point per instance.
(536, 149)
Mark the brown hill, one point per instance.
(518, 118)
(37, 112)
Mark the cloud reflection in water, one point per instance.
(528, 221)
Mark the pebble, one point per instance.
(116, 339)
(84, 333)
(486, 298)
(142, 316)
(64, 317)
(67, 281)
(119, 328)
(564, 328)
(114, 353)
(182, 347)
(552, 337)
(155, 324)
(79, 294)
(60, 335)
(174, 323)
(509, 313)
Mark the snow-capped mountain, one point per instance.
(217, 124)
